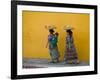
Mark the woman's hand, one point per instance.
(47, 45)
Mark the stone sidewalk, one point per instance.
(44, 63)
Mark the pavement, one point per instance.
(45, 63)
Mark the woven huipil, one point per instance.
(70, 50)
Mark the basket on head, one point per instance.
(68, 27)
(50, 27)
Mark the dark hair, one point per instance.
(51, 31)
(57, 33)
(70, 32)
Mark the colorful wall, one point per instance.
(35, 35)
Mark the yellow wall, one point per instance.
(35, 35)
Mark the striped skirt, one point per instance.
(71, 56)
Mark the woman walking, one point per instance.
(52, 41)
(70, 55)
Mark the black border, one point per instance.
(14, 39)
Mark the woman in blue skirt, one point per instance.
(53, 48)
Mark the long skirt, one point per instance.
(54, 53)
(71, 56)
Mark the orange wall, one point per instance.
(35, 35)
